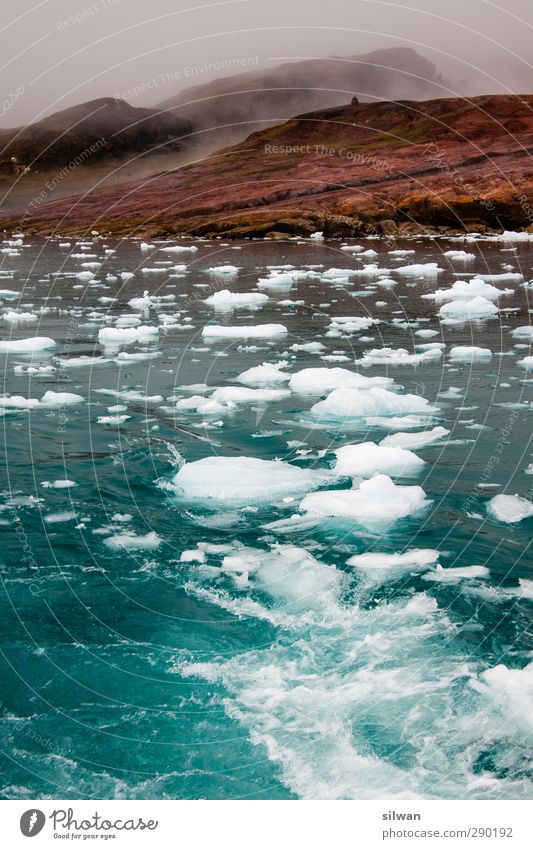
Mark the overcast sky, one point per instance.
(55, 53)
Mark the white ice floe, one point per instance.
(524, 332)
(13, 317)
(458, 573)
(318, 381)
(277, 280)
(463, 290)
(245, 395)
(376, 401)
(59, 484)
(60, 399)
(426, 269)
(27, 346)
(509, 508)
(468, 353)
(468, 310)
(250, 331)
(376, 505)
(415, 440)
(180, 249)
(308, 347)
(462, 256)
(287, 573)
(242, 480)
(115, 337)
(224, 270)
(226, 301)
(379, 566)
(268, 374)
(367, 459)
(349, 324)
(526, 362)
(112, 420)
(398, 357)
(50, 399)
(133, 542)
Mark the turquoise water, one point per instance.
(136, 673)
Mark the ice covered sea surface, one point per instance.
(171, 630)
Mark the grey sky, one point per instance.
(55, 53)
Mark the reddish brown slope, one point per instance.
(347, 170)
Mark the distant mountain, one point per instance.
(89, 133)
(230, 108)
(445, 166)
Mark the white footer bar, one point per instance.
(268, 824)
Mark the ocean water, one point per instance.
(260, 664)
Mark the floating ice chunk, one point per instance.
(509, 508)
(386, 282)
(250, 331)
(80, 362)
(416, 557)
(398, 357)
(57, 518)
(59, 484)
(245, 395)
(451, 576)
(415, 440)
(426, 333)
(463, 290)
(226, 300)
(115, 337)
(223, 270)
(427, 269)
(308, 347)
(13, 317)
(524, 332)
(379, 566)
(463, 310)
(133, 541)
(462, 256)
(84, 276)
(127, 275)
(358, 403)
(468, 353)
(367, 459)
(526, 362)
(287, 573)
(18, 402)
(276, 281)
(131, 395)
(112, 420)
(269, 374)
(317, 381)
(504, 276)
(243, 480)
(346, 325)
(180, 249)
(27, 346)
(317, 236)
(204, 406)
(376, 505)
(60, 399)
